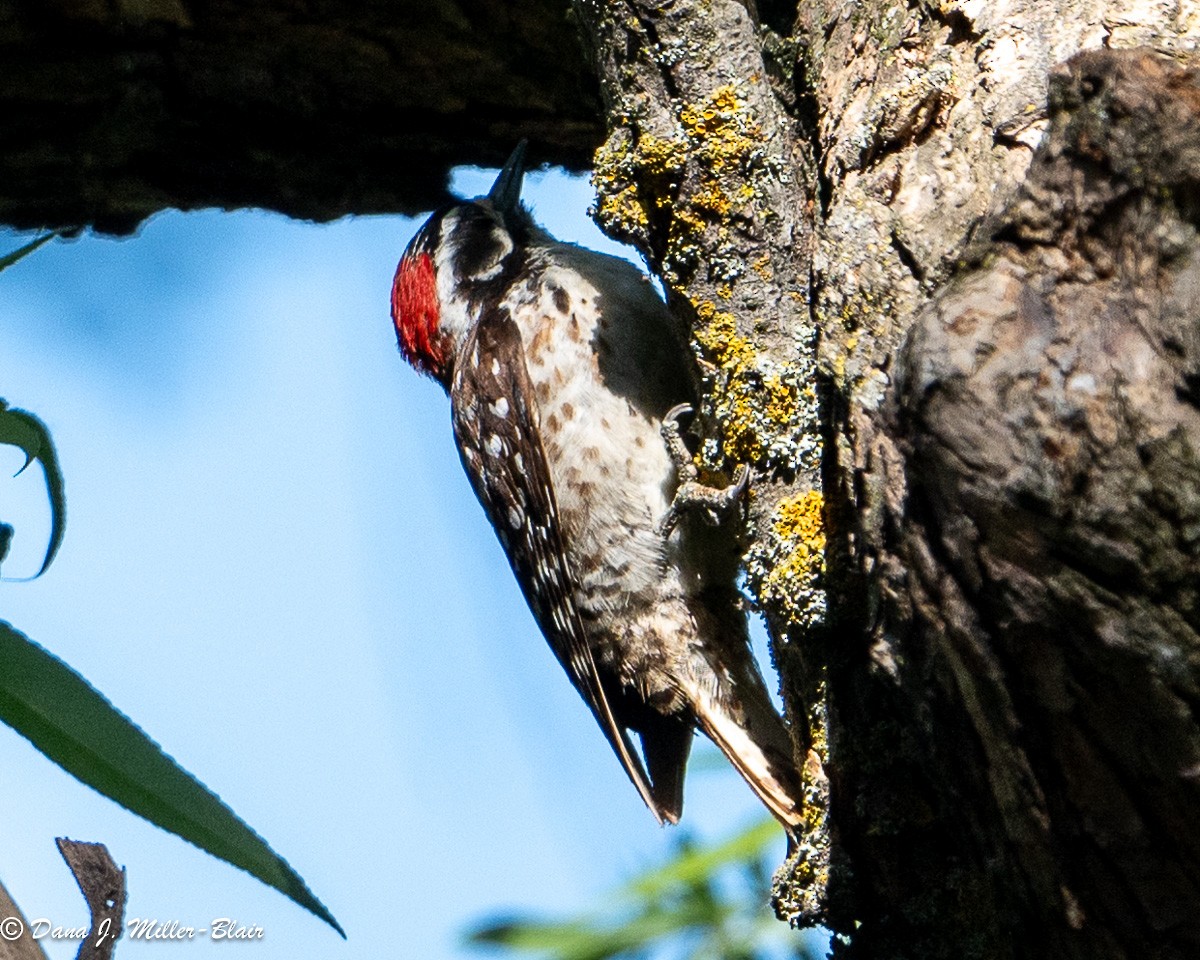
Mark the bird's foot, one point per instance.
(673, 438)
(714, 503)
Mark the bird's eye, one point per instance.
(482, 247)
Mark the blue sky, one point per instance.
(274, 564)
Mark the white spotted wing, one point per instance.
(497, 428)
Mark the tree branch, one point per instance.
(111, 110)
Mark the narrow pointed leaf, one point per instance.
(21, 429)
(75, 726)
(677, 909)
(590, 940)
(10, 258)
(695, 865)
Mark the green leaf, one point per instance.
(678, 904)
(75, 726)
(583, 940)
(21, 429)
(21, 252)
(695, 865)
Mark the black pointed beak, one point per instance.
(505, 194)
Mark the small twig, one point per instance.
(16, 942)
(102, 883)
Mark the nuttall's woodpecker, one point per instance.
(566, 374)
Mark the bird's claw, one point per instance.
(673, 438)
(714, 502)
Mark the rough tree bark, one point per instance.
(996, 698)
(113, 109)
(1030, 688)
(944, 277)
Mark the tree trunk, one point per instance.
(944, 278)
(984, 359)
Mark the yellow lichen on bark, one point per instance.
(752, 402)
(632, 177)
(638, 174)
(789, 569)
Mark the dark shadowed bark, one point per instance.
(113, 109)
(944, 279)
(1022, 725)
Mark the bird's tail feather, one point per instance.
(666, 744)
(760, 749)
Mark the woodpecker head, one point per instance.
(460, 255)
